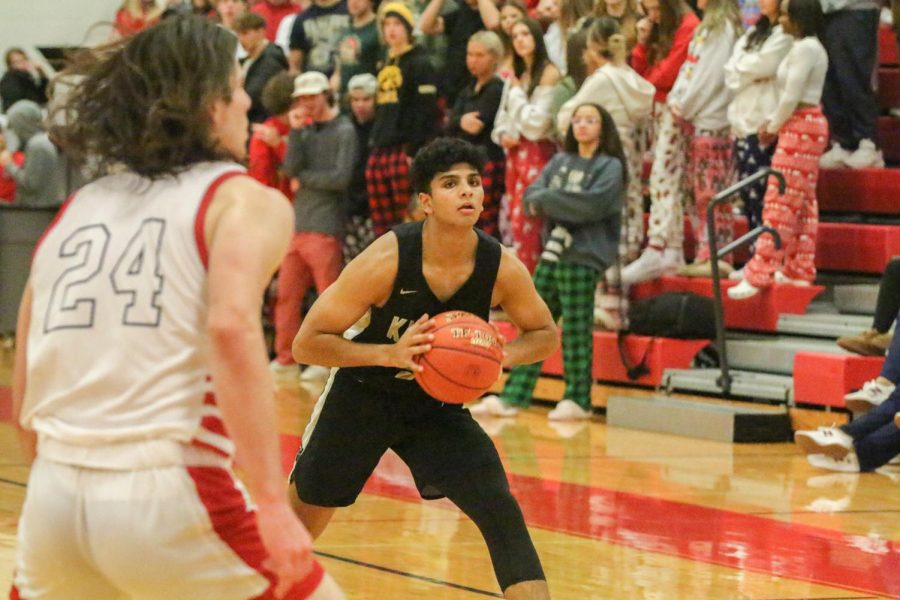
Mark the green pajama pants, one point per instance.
(568, 290)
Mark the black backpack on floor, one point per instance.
(682, 315)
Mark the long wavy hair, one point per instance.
(663, 35)
(720, 12)
(144, 102)
(610, 142)
(541, 59)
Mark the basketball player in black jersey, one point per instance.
(372, 403)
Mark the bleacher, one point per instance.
(781, 343)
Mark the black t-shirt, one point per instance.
(459, 26)
(411, 298)
(316, 32)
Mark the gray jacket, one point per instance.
(585, 196)
(41, 181)
(321, 156)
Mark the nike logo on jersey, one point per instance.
(405, 292)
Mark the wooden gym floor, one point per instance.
(614, 513)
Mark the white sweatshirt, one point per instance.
(620, 90)
(750, 75)
(520, 116)
(800, 79)
(700, 89)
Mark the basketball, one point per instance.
(465, 358)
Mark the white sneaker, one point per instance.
(742, 291)
(492, 406)
(847, 464)
(830, 441)
(783, 279)
(672, 260)
(567, 410)
(737, 275)
(867, 156)
(868, 397)
(834, 158)
(648, 266)
(315, 373)
(280, 370)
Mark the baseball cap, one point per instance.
(310, 84)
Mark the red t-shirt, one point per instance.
(7, 183)
(265, 161)
(663, 72)
(273, 15)
(128, 25)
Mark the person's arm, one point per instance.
(430, 21)
(27, 439)
(707, 82)
(639, 60)
(490, 14)
(489, 104)
(247, 230)
(294, 161)
(423, 121)
(503, 124)
(514, 291)
(663, 74)
(367, 281)
(600, 200)
(746, 68)
(534, 118)
(39, 161)
(802, 58)
(337, 177)
(299, 45)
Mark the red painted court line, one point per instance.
(721, 537)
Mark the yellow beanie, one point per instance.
(399, 10)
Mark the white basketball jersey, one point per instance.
(117, 347)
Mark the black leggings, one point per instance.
(888, 304)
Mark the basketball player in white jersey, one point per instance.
(140, 365)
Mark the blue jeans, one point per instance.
(875, 437)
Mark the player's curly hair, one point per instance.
(144, 102)
(439, 156)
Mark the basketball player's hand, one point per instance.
(287, 543)
(414, 341)
(502, 339)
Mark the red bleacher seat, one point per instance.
(887, 46)
(824, 379)
(759, 313)
(664, 353)
(855, 247)
(888, 93)
(889, 140)
(868, 191)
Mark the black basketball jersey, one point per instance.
(411, 298)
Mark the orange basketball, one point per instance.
(465, 358)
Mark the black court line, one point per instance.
(13, 482)
(449, 584)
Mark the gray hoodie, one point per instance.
(41, 181)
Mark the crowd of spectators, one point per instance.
(344, 93)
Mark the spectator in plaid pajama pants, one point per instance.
(524, 128)
(473, 117)
(802, 137)
(580, 193)
(406, 117)
(750, 74)
(663, 39)
(699, 101)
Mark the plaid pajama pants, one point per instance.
(568, 290)
(389, 188)
(801, 142)
(493, 182)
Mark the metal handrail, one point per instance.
(724, 380)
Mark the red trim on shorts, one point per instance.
(235, 524)
(53, 223)
(200, 219)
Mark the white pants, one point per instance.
(170, 532)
